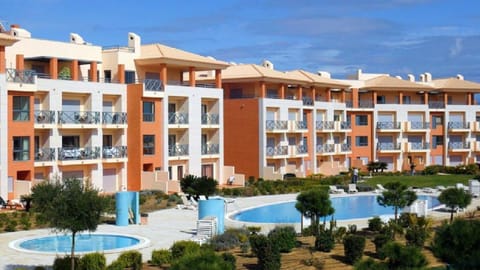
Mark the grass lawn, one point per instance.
(420, 180)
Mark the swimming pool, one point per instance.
(83, 243)
(351, 207)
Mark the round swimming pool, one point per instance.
(83, 243)
(350, 207)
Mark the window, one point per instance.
(437, 120)
(437, 140)
(292, 141)
(361, 120)
(380, 99)
(21, 108)
(148, 144)
(70, 141)
(406, 100)
(21, 148)
(148, 111)
(236, 93)
(129, 76)
(361, 141)
(107, 74)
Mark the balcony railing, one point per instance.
(152, 85)
(349, 104)
(325, 148)
(114, 152)
(301, 149)
(277, 150)
(384, 146)
(178, 118)
(307, 101)
(325, 125)
(115, 118)
(45, 154)
(44, 117)
(365, 104)
(276, 125)
(436, 104)
(388, 125)
(76, 153)
(419, 146)
(345, 147)
(178, 150)
(458, 125)
(68, 117)
(301, 124)
(459, 145)
(419, 125)
(345, 125)
(210, 119)
(210, 149)
(20, 76)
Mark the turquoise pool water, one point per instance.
(83, 243)
(351, 207)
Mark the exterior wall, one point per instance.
(367, 130)
(241, 133)
(3, 137)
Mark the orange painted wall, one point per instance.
(136, 129)
(440, 150)
(364, 151)
(2, 60)
(23, 128)
(310, 141)
(241, 141)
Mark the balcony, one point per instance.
(153, 88)
(210, 149)
(78, 118)
(388, 147)
(365, 104)
(388, 126)
(325, 149)
(418, 126)
(344, 126)
(307, 101)
(76, 153)
(343, 148)
(114, 118)
(210, 119)
(476, 147)
(178, 118)
(276, 125)
(349, 104)
(459, 146)
(297, 126)
(178, 150)
(325, 125)
(275, 151)
(458, 126)
(45, 154)
(436, 104)
(114, 152)
(476, 126)
(21, 79)
(44, 118)
(298, 150)
(418, 146)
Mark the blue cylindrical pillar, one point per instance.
(213, 207)
(122, 205)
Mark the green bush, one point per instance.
(116, 265)
(230, 259)
(416, 236)
(161, 256)
(370, 264)
(62, 263)
(39, 268)
(285, 238)
(375, 224)
(11, 226)
(204, 259)
(225, 241)
(434, 169)
(458, 244)
(404, 257)
(325, 241)
(267, 252)
(380, 241)
(184, 247)
(132, 259)
(255, 241)
(92, 261)
(354, 246)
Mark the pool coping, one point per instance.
(144, 242)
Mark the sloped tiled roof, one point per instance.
(385, 82)
(455, 84)
(158, 53)
(319, 80)
(248, 72)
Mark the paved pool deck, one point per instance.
(163, 229)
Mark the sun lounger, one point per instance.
(380, 189)
(352, 188)
(335, 190)
(187, 204)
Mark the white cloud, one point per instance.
(457, 47)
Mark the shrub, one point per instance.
(375, 224)
(182, 248)
(225, 241)
(131, 259)
(267, 252)
(204, 259)
(92, 261)
(62, 263)
(39, 268)
(354, 246)
(161, 256)
(11, 226)
(433, 169)
(404, 257)
(458, 244)
(324, 241)
(230, 259)
(255, 241)
(285, 238)
(370, 264)
(416, 236)
(116, 265)
(380, 241)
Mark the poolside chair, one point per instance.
(335, 190)
(187, 204)
(3, 203)
(440, 188)
(352, 188)
(461, 186)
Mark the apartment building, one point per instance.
(61, 119)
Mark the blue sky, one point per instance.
(339, 36)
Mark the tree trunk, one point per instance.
(72, 253)
(396, 214)
(301, 223)
(451, 214)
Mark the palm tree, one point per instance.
(396, 195)
(315, 204)
(455, 198)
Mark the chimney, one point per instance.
(411, 77)
(267, 64)
(460, 77)
(428, 77)
(134, 42)
(398, 77)
(16, 31)
(76, 38)
(324, 74)
(422, 77)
